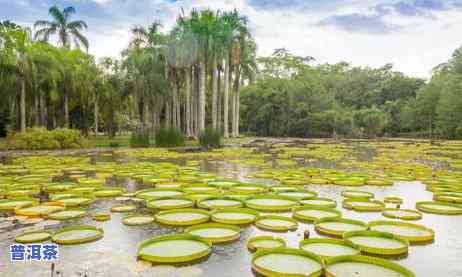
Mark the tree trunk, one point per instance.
(237, 103)
(226, 98)
(188, 100)
(174, 104)
(219, 102)
(23, 105)
(167, 114)
(214, 93)
(178, 107)
(36, 110)
(201, 113)
(141, 113)
(96, 115)
(66, 110)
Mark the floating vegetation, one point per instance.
(168, 203)
(215, 232)
(67, 214)
(182, 217)
(102, 216)
(135, 220)
(318, 202)
(173, 249)
(123, 208)
(355, 265)
(403, 214)
(327, 248)
(379, 243)
(237, 216)
(441, 208)
(414, 233)
(219, 202)
(265, 242)
(276, 223)
(361, 205)
(338, 226)
(39, 210)
(31, 237)
(315, 214)
(271, 203)
(77, 234)
(286, 262)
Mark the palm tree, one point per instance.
(62, 26)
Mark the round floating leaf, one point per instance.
(67, 214)
(219, 202)
(404, 214)
(134, 220)
(338, 226)
(215, 232)
(361, 205)
(39, 210)
(276, 223)
(287, 262)
(182, 217)
(77, 234)
(174, 249)
(414, 233)
(318, 202)
(271, 203)
(168, 203)
(265, 242)
(357, 194)
(123, 208)
(357, 265)
(379, 243)
(326, 248)
(442, 208)
(234, 215)
(314, 214)
(31, 237)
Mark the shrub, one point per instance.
(140, 139)
(169, 137)
(114, 144)
(210, 138)
(41, 138)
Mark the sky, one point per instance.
(413, 35)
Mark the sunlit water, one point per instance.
(115, 254)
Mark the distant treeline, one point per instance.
(292, 97)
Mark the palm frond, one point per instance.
(78, 25)
(81, 38)
(57, 15)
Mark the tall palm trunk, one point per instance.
(96, 115)
(201, 113)
(167, 114)
(66, 110)
(23, 105)
(141, 113)
(36, 110)
(188, 104)
(238, 106)
(178, 107)
(214, 93)
(219, 102)
(226, 98)
(236, 102)
(174, 104)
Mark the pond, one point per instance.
(417, 171)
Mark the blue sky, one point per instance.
(414, 35)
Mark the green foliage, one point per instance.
(41, 138)
(169, 137)
(210, 138)
(140, 139)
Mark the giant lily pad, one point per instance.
(174, 249)
(182, 217)
(286, 262)
(414, 233)
(215, 232)
(234, 215)
(276, 223)
(329, 247)
(378, 243)
(77, 234)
